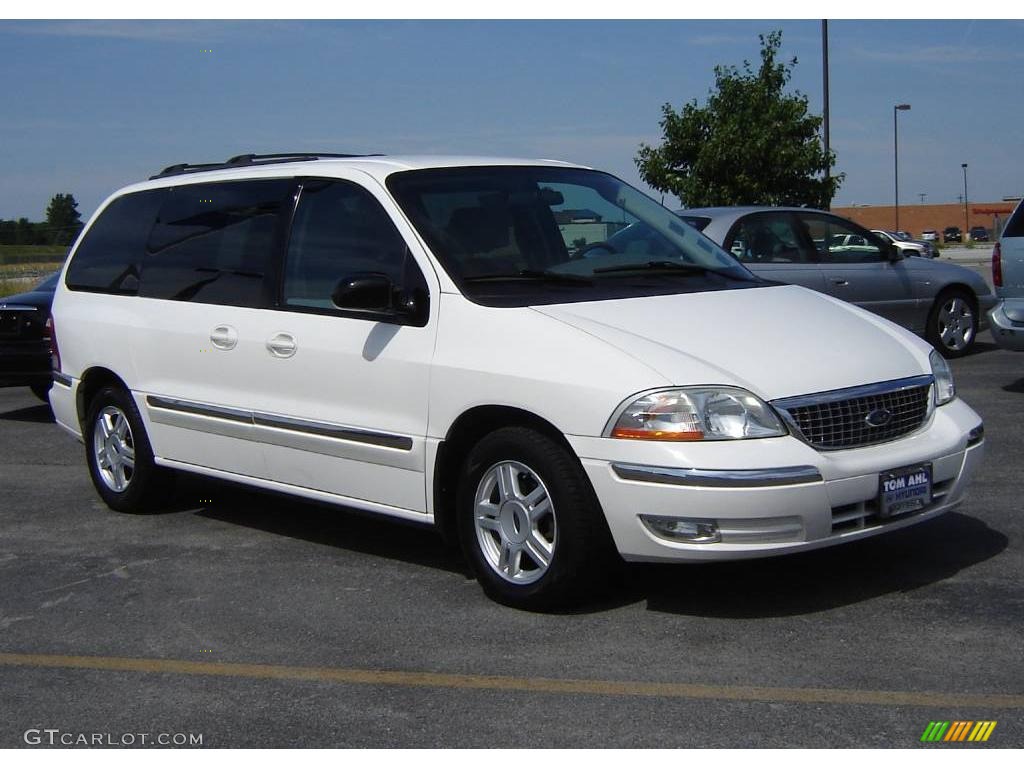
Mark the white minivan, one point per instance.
(441, 340)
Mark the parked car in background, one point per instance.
(940, 300)
(1007, 318)
(952, 235)
(930, 236)
(25, 338)
(908, 246)
(902, 234)
(979, 234)
(417, 337)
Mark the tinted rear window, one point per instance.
(1015, 226)
(214, 243)
(109, 258)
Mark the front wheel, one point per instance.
(953, 323)
(529, 522)
(119, 454)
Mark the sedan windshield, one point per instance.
(519, 235)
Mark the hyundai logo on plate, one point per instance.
(878, 417)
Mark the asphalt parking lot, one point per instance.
(259, 621)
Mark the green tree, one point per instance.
(751, 144)
(63, 219)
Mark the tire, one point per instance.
(121, 464)
(953, 323)
(508, 477)
(42, 391)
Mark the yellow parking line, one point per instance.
(502, 683)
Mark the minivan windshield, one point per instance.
(520, 235)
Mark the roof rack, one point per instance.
(239, 161)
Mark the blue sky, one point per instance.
(91, 106)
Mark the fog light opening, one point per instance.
(683, 529)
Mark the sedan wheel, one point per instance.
(953, 325)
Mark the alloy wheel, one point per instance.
(515, 524)
(114, 448)
(956, 324)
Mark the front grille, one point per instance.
(836, 420)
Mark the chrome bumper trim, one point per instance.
(719, 478)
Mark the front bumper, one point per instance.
(770, 496)
(1007, 332)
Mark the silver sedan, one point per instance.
(941, 301)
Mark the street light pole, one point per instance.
(967, 227)
(896, 159)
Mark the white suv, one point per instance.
(452, 341)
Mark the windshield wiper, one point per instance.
(656, 266)
(546, 276)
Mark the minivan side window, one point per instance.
(214, 243)
(840, 243)
(340, 230)
(109, 258)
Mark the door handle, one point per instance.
(224, 337)
(840, 281)
(282, 345)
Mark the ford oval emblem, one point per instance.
(878, 417)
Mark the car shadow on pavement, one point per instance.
(344, 528)
(824, 579)
(1016, 387)
(35, 414)
(981, 347)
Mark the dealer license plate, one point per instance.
(904, 490)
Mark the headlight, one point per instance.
(696, 413)
(944, 388)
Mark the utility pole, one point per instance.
(922, 195)
(897, 108)
(824, 112)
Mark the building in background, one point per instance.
(917, 218)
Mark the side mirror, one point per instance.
(376, 295)
(895, 254)
(364, 293)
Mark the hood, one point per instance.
(776, 341)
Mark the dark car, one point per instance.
(952, 235)
(979, 234)
(25, 339)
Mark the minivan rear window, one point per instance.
(1015, 226)
(109, 258)
(214, 243)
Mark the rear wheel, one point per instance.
(529, 522)
(119, 454)
(953, 323)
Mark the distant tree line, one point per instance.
(62, 224)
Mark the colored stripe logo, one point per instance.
(958, 730)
